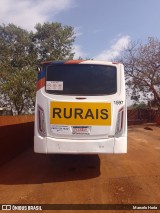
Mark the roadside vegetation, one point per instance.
(142, 69)
(21, 51)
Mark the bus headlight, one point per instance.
(41, 121)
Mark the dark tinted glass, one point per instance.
(83, 79)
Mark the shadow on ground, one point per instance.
(31, 168)
(15, 139)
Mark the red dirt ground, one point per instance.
(132, 178)
(16, 135)
(10, 120)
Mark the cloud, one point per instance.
(117, 46)
(27, 13)
(77, 49)
(115, 50)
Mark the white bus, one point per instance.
(80, 108)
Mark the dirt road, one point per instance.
(79, 179)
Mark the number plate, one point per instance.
(80, 130)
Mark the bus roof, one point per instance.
(78, 62)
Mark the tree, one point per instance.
(140, 105)
(53, 41)
(18, 91)
(17, 79)
(16, 47)
(142, 69)
(20, 52)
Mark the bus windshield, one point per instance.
(81, 79)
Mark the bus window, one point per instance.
(82, 80)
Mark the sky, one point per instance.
(103, 28)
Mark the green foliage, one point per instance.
(16, 46)
(19, 90)
(53, 41)
(20, 52)
(140, 105)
